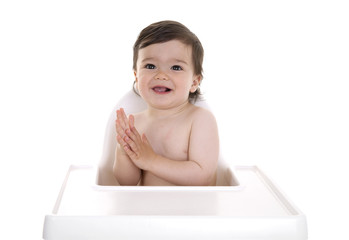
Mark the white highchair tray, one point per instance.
(251, 209)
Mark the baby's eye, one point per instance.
(150, 66)
(176, 68)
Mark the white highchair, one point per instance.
(245, 204)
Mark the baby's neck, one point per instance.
(167, 113)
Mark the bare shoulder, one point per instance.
(203, 116)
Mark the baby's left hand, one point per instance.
(139, 148)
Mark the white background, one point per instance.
(276, 75)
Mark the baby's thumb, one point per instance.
(145, 139)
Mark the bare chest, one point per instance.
(171, 140)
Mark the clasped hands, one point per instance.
(136, 146)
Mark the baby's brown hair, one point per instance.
(165, 31)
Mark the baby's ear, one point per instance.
(135, 73)
(196, 83)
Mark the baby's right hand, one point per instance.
(122, 123)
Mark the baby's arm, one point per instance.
(125, 171)
(203, 153)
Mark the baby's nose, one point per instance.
(161, 76)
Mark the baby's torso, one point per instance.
(168, 138)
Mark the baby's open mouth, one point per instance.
(160, 89)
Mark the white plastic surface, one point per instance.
(255, 209)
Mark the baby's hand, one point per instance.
(139, 149)
(122, 123)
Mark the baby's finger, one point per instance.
(133, 134)
(119, 130)
(124, 118)
(131, 121)
(136, 134)
(121, 141)
(129, 152)
(133, 146)
(120, 117)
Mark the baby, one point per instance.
(173, 142)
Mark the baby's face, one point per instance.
(165, 74)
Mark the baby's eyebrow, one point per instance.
(181, 61)
(147, 59)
